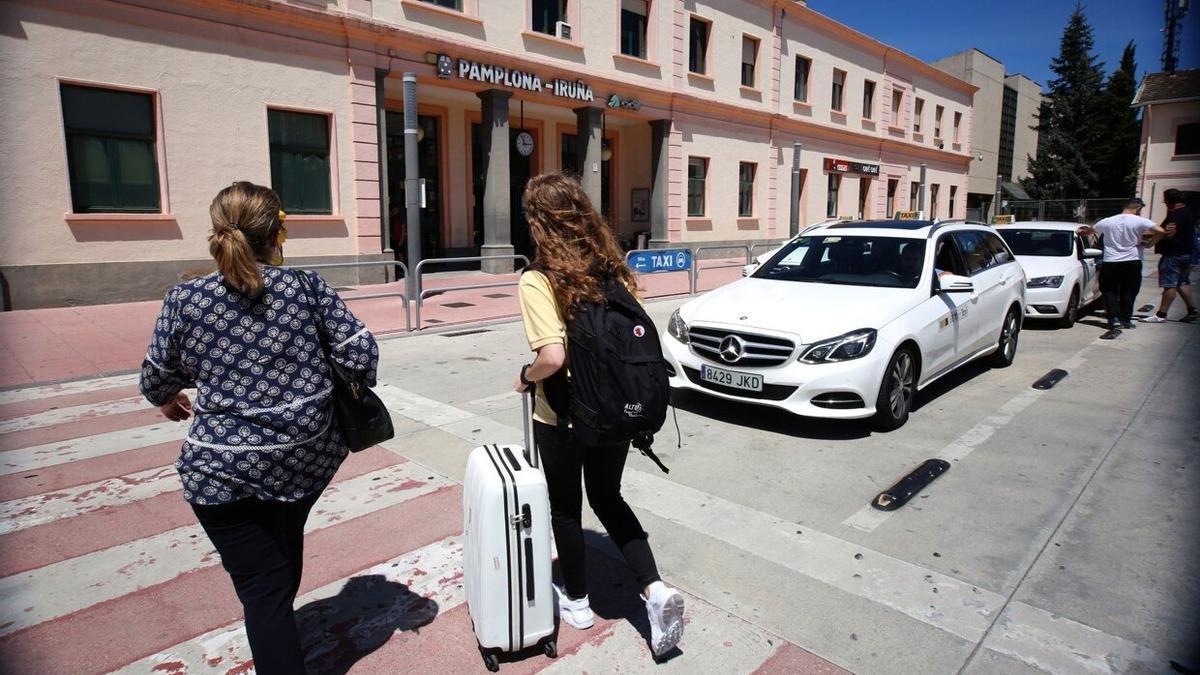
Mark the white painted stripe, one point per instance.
(714, 642)
(432, 573)
(27, 512)
(67, 388)
(416, 407)
(88, 447)
(71, 585)
(493, 404)
(1057, 644)
(74, 414)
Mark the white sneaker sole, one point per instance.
(580, 625)
(672, 625)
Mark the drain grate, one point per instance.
(461, 333)
(457, 305)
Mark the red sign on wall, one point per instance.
(846, 166)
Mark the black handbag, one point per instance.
(361, 416)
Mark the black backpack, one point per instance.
(618, 390)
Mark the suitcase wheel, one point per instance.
(491, 662)
(550, 647)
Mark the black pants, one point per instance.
(563, 459)
(262, 547)
(1120, 283)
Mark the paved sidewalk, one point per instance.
(49, 345)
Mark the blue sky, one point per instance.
(1022, 34)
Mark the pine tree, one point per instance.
(1070, 122)
(1119, 165)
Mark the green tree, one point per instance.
(1122, 139)
(1071, 120)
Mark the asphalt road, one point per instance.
(1061, 539)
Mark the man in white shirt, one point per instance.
(1121, 271)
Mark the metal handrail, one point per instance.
(695, 281)
(420, 294)
(766, 244)
(373, 263)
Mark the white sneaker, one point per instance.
(1154, 318)
(574, 613)
(665, 609)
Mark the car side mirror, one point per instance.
(1093, 253)
(952, 283)
(747, 270)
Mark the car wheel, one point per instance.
(1006, 351)
(896, 391)
(1070, 316)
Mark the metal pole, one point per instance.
(996, 206)
(794, 225)
(412, 200)
(921, 193)
(382, 139)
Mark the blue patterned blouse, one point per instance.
(263, 424)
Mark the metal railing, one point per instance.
(421, 293)
(695, 277)
(387, 294)
(1068, 210)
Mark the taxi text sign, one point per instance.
(660, 260)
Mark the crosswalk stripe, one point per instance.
(74, 414)
(87, 447)
(70, 585)
(20, 514)
(430, 573)
(67, 388)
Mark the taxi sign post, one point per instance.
(655, 261)
(910, 215)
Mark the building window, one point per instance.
(698, 46)
(803, 65)
(914, 193)
(633, 28)
(839, 83)
(1008, 131)
(831, 201)
(893, 185)
(937, 121)
(897, 106)
(953, 196)
(957, 125)
(448, 4)
(868, 100)
(933, 200)
(864, 191)
(1187, 139)
(300, 160)
(918, 111)
(697, 176)
(746, 172)
(749, 59)
(112, 156)
(547, 14)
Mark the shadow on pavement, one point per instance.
(769, 419)
(339, 631)
(952, 380)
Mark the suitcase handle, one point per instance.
(529, 585)
(527, 408)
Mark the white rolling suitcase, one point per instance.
(506, 549)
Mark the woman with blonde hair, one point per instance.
(577, 255)
(262, 443)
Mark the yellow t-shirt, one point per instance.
(544, 325)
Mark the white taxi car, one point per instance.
(1061, 267)
(850, 319)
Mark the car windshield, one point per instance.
(890, 262)
(1053, 243)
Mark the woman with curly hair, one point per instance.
(576, 255)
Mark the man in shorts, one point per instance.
(1175, 265)
(1121, 270)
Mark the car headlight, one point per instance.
(1045, 282)
(677, 329)
(852, 345)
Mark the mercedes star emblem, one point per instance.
(732, 348)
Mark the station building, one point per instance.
(123, 119)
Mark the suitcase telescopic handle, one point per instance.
(527, 408)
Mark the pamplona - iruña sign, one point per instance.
(519, 79)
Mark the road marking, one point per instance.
(27, 512)
(494, 404)
(68, 586)
(1057, 644)
(868, 517)
(74, 414)
(67, 388)
(88, 447)
(432, 573)
(473, 428)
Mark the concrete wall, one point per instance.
(1161, 167)
(986, 73)
(1025, 138)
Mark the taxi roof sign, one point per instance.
(910, 215)
(1008, 219)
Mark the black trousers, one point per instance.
(1119, 284)
(563, 460)
(262, 547)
